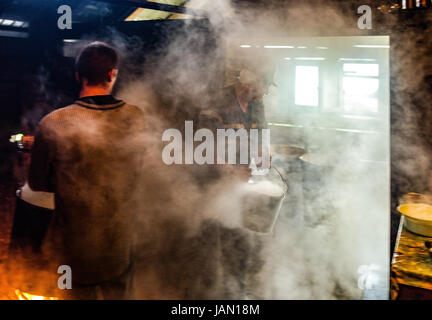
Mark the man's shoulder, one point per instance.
(69, 114)
(133, 109)
(57, 115)
(133, 115)
(62, 113)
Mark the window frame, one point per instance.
(378, 95)
(297, 107)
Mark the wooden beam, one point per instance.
(159, 6)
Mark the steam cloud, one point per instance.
(318, 244)
(303, 259)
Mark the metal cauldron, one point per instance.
(33, 211)
(33, 214)
(263, 200)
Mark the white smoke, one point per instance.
(303, 259)
(313, 254)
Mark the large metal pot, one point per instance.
(262, 202)
(33, 214)
(33, 210)
(37, 199)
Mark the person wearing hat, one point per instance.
(238, 250)
(239, 105)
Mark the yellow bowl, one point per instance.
(418, 218)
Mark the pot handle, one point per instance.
(282, 178)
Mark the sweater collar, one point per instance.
(105, 102)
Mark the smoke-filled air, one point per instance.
(329, 237)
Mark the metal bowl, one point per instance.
(287, 152)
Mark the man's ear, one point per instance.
(112, 75)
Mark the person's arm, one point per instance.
(40, 172)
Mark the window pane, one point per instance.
(360, 87)
(361, 69)
(307, 86)
(360, 105)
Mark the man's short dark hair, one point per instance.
(95, 61)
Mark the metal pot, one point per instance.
(33, 213)
(38, 199)
(262, 203)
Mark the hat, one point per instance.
(262, 66)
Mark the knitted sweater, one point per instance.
(90, 156)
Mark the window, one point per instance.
(360, 86)
(307, 86)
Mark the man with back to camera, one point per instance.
(89, 154)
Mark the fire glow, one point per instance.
(28, 296)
